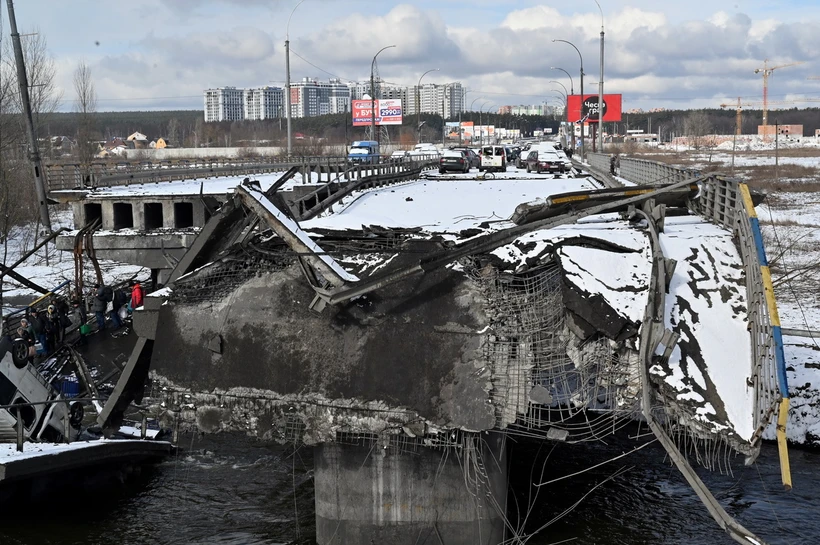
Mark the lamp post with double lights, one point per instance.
(418, 103)
(601, 87)
(472, 138)
(480, 124)
(373, 133)
(287, 74)
(580, 114)
(571, 85)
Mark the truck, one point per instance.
(364, 152)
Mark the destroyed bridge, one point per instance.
(403, 324)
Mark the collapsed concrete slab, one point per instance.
(434, 322)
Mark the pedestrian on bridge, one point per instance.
(136, 295)
(102, 296)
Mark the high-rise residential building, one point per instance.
(224, 104)
(446, 100)
(311, 97)
(396, 92)
(264, 103)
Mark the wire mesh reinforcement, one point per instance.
(544, 376)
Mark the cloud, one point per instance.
(497, 48)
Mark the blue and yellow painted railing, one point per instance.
(777, 334)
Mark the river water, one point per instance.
(232, 490)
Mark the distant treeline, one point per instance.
(187, 127)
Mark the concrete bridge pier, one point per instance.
(451, 496)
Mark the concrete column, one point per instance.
(167, 213)
(107, 215)
(199, 213)
(138, 213)
(378, 495)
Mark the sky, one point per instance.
(162, 54)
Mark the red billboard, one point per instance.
(389, 112)
(588, 109)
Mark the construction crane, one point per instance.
(741, 105)
(767, 71)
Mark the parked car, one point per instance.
(544, 160)
(475, 160)
(564, 159)
(399, 156)
(454, 160)
(521, 160)
(493, 158)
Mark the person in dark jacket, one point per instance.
(99, 303)
(26, 332)
(118, 301)
(53, 327)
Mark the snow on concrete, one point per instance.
(209, 186)
(299, 233)
(707, 306)
(443, 206)
(620, 278)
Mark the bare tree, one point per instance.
(86, 107)
(172, 136)
(44, 94)
(696, 126)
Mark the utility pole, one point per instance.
(287, 75)
(34, 153)
(601, 88)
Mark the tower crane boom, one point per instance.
(766, 71)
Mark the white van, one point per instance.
(493, 158)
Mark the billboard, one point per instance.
(389, 112)
(577, 110)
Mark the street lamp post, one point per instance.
(580, 116)
(571, 86)
(601, 87)
(418, 104)
(480, 124)
(373, 95)
(287, 74)
(562, 85)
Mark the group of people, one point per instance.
(47, 327)
(122, 303)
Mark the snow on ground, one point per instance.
(448, 205)
(803, 373)
(59, 267)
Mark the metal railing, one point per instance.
(720, 202)
(66, 176)
(641, 171)
(360, 177)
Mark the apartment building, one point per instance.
(224, 104)
(264, 103)
(311, 97)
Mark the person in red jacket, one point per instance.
(136, 295)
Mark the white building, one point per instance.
(446, 100)
(311, 97)
(264, 103)
(224, 104)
